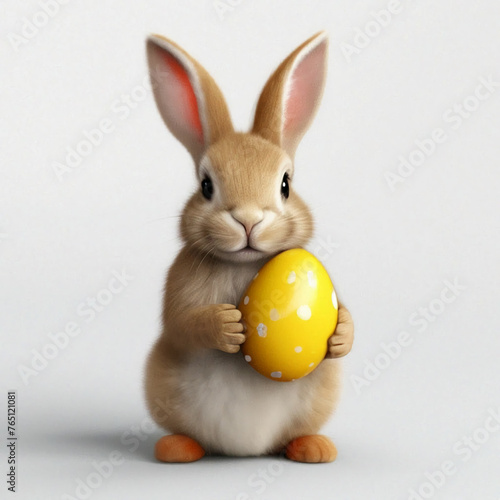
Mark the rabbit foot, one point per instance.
(311, 449)
(178, 448)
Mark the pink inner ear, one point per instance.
(303, 91)
(186, 95)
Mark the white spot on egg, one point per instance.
(311, 364)
(255, 276)
(298, 349)
(262, 330)
(246, 300)
(291, 277)
(312, 279)
(304, 312)
(248, 358)
(276, 374)
(274, 314)
(334, 300)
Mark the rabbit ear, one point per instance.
(292, 94)
(189, 100)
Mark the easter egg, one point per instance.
(290, 310)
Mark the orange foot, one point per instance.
(178, 448)
(311, 449)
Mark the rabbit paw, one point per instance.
(311, 449)
(227, 329)
(177, 448)
(340, 343)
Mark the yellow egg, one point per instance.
(290, 310)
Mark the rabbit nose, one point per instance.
(247, 219)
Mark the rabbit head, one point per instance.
(245, 208)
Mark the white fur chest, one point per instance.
(231, 409)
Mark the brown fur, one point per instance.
(218, 120)
(268, 121)
(209, 276)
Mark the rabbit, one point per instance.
(198, 386)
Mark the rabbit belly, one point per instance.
(229, 408)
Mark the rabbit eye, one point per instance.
(285, 188)
(207, 188)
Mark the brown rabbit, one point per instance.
(198, 385)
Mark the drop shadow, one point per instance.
(99, 444)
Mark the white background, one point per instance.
(389, 251)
